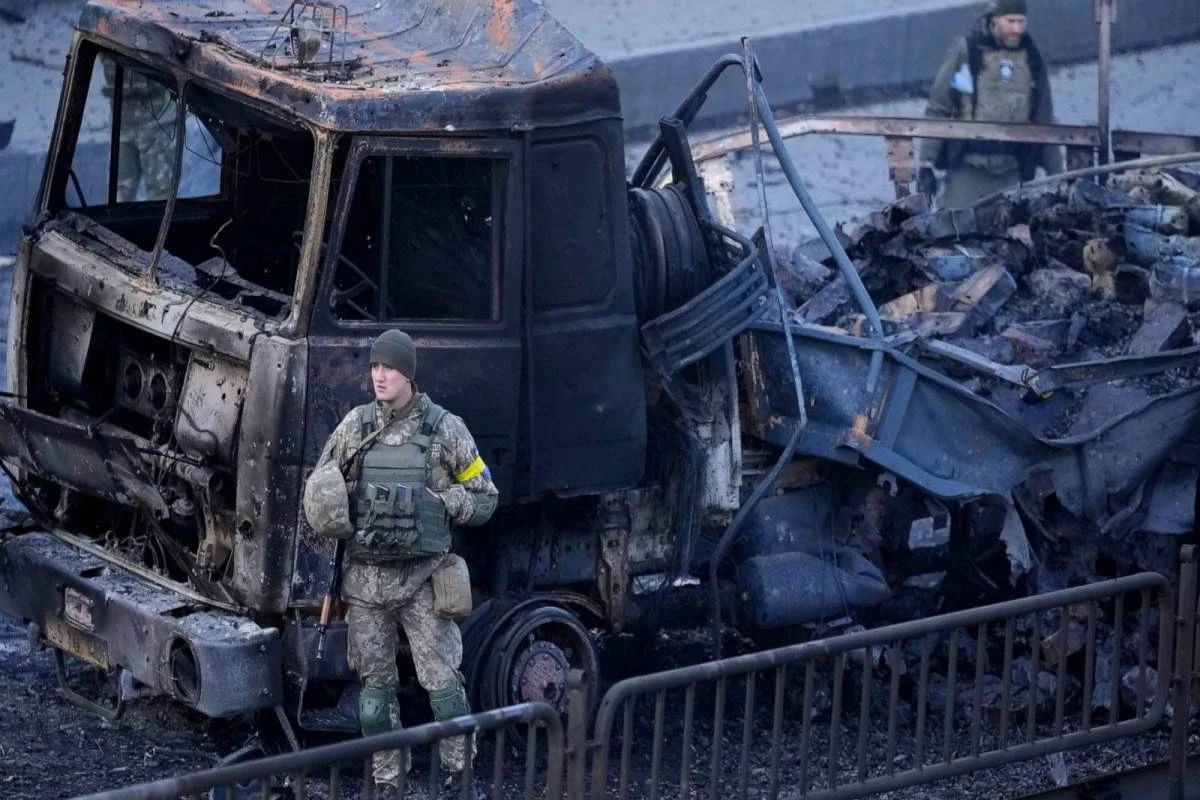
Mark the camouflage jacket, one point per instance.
(457, 474)
(946, 102)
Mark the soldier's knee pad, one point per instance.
(449, 702)
(374, 711)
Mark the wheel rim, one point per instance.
(533, 656)
(539, 674)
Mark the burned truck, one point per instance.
(238, 199)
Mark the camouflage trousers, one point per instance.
(968, 183)
(382, 600)
(146, 155)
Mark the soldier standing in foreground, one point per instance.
(392, 479)
(994, 74)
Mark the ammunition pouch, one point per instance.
(374, 711)
(394, 516)
(452, 588)
(450, 702)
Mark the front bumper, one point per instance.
(219, 663)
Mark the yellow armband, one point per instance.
(476, 467)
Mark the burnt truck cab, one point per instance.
(236, 201)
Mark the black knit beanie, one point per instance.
(1002, 8)
(395, 349)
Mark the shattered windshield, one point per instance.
(122, 166)
(242, 189)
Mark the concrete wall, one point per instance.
(882, 53)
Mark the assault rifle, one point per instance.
(335, 586)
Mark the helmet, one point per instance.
(326, 503)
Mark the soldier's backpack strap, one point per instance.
(366, 420)
(430, 420)
(975, 66)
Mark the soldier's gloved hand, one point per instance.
(927, 182)
(455, 498)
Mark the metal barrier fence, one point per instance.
(845, 717)
(1185, 683)
(926, 728)
(322, 771)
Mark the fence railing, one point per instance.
(337, 770)
(1084, 143)
(1185, 683)
(843, 717)
(1012, 681)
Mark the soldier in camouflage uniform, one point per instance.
(147, 135)
(421, 473)
(995, 74)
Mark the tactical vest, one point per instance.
(1003, 93)
(1003, 87)
(996, 99)
(395, 518)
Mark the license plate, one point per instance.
(90, 648)
(77, 609)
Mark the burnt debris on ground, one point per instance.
(1009, 298)
(1081, 272)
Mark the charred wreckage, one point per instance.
(678, 416)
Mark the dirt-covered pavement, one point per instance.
(51, 748)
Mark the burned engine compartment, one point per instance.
(175, 410)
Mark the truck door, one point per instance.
(425, 237)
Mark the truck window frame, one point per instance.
(507, 225)
(86, 59)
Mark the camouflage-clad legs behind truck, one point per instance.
(147, 137)
(969, 182)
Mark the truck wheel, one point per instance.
(528, 655)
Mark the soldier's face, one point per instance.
(1009, 29)
(390, 384)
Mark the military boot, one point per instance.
(452, 788)
(385, 791)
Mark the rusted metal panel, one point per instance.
(1070, 135)
(78, 456)
(421, 65)
(1153, 144)
(155, 309)
(269, 448)
(209, 407)
(901, 162)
